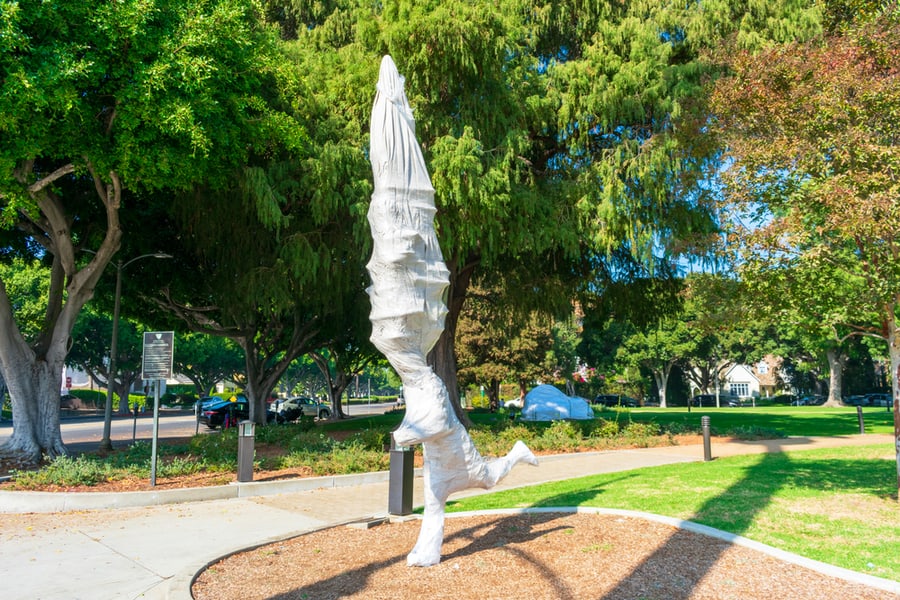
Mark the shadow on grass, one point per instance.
(735, 509)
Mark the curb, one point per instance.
(55, 502)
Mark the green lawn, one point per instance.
(837, 505)
(792, 420)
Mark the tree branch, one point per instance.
(39, 185)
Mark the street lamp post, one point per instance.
(106, 441)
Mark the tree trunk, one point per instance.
(836, 362)
(121, 387)
(34, 387)
(442, 357)
(662, 379)
(34, 373)
(494, 395)
(894, 352)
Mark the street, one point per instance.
(83, 433)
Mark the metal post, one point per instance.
(859, 417)
(400, 483)
(246, 431)
(106, 441)
(707, 451)
(153, 444)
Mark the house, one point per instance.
(759, 379)
(740, 381)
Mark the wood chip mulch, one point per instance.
(538, 556)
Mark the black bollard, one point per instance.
(707, 451)
(859, 417)
(246, 433)
(400, 482)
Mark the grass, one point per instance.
(361, 447)
(838, 506)
(792, 420)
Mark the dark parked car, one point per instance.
(856, 400)
(214, 414)
(709, 400)
(615, 400)
(880, 400)
(204, 402)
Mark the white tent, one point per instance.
(546, 403)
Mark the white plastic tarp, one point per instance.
(546, 403)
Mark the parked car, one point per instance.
(214, 414)
(515, 403)
(709, 400)
(292, 408)
(784, 399)
(856, 400)
(614, 400)
(880, 400)
(286, 410)
(71, 402)
(204, 402)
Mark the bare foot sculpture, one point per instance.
(409, 278)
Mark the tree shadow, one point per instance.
(734, 511)
(675, 569)
(506, 531)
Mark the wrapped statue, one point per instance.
(409, 280)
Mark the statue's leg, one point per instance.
(429, 416)
(498, 469)
(427, 551)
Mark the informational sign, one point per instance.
(159, 347)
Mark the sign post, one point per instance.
(159, 347)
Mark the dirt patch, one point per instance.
(523, 556)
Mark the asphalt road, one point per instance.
(84, 433)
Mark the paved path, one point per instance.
(154, 551)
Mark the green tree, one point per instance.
(812, 131)
(658, 349)
(206, 360)
(496, 345)
(302, 377)
(101, 105)
(717, 314)
(348, 351)
(555, 134)
(91, 347)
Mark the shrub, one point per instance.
(371, 439)
(69, 471)
(605, 429)
(641, 434)
(563, 436)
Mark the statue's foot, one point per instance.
(420, 558)
(522, 453)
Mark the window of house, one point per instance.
(739, 389)
(762, 368)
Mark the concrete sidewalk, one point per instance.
(115, 551)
